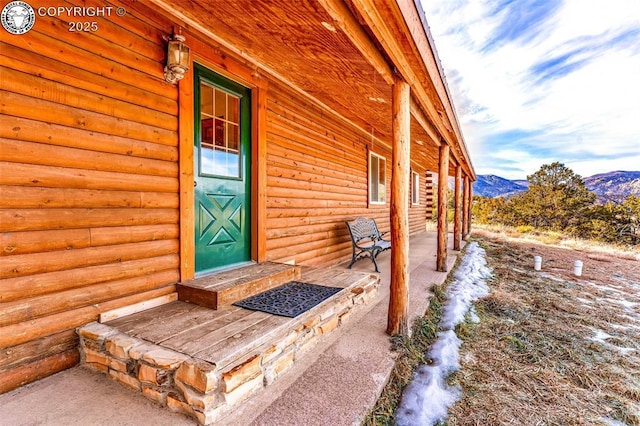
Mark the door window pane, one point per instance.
(232, 137)
(220, 132)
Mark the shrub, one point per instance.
(524, 229)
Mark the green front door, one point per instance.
(222, 171)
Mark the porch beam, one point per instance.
(443, 184)
(397, 322)
(344, 19)
(458, 210)
(424, 122)
(376, 18)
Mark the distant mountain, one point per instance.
(494, 186)
(612, 186)
(521, 182)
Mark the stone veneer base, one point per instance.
(201, 389)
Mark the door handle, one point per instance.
(195, 183)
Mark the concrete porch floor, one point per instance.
(335, 383)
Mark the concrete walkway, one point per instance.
(335, 383)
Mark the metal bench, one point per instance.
(366, 240)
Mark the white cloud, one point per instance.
(557, 84)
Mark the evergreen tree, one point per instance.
(627, 220)
(487, 210)
(557, 199)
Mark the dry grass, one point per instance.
(539, 355)
(535, 358)
(556, 239)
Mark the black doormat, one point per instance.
(290, 299)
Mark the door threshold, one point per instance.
(223, 269)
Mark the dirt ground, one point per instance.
(552, 348)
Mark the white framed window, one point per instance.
(377, 179)
(415, 188)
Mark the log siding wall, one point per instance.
(317, 178)
(89, 196)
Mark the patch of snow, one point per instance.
(469, 358)
(469, 284)
(608, 288)
(428, 397)
(632, 283)
(611, 422)
(627, 305)
(624, 351)
(622, 327)
(552, 277)
(601, 336)
(584, 301)
(444, 352)
(473, 316)
(630, 318)
(611, 289)
(620, 289)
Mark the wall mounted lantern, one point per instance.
(177, 59)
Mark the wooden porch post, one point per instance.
(400, 169)
(443, 186)
(470, 206)
(459, 211)
(465, 207)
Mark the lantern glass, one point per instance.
(177, 59)
(184, 57)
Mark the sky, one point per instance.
(538, 81)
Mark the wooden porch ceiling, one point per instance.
(400, 30)
(299, 43)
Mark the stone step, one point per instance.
(210, 363)
(228, 287)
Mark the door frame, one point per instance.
(235, 251)
(211, 57)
